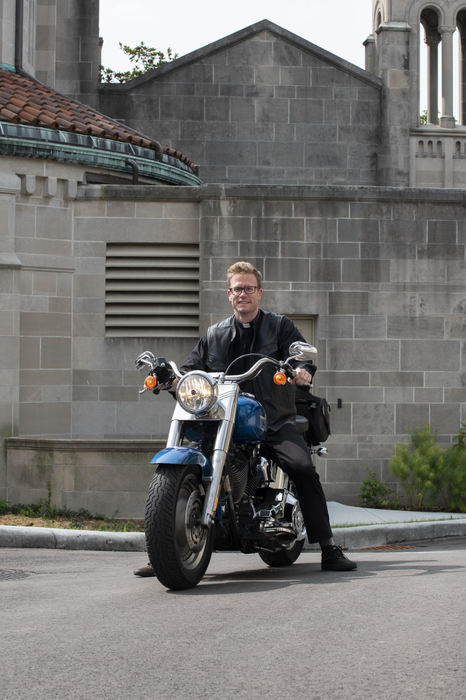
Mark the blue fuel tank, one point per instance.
(251, 421)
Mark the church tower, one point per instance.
(55, 41)
(421, 148)
(68, 48)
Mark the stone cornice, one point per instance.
(82, 445)
(357, 193)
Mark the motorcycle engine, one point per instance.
(238, 471)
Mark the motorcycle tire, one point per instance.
(285, 557)
(179, 548)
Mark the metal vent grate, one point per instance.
(152, 290)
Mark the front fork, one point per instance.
(219, 455)
(212, 484)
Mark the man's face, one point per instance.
(245, 305)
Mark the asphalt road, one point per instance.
(77, 624)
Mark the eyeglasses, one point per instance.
(236, 291)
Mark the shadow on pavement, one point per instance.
(267, 579)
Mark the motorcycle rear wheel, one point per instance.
(285, 557)
(179, 548)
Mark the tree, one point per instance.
(144, 58)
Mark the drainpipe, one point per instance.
(158, 150)
(19, 28)
(132, 163)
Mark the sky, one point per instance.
(339, 26)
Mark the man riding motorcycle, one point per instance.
(252, 330)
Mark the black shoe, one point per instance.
(333, 559)
(145, 571)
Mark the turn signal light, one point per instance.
(279, 378)
(150, 382)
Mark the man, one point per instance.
(252, 330)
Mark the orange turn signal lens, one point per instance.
(150, 382)
(279, 378)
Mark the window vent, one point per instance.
(152, 290)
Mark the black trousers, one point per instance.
(295, 459)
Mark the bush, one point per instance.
(376, 494)
(452, 476)
(430, 474)
(418, 465)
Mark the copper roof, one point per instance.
(24, 100)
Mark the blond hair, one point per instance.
(244, 268)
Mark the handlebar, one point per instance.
(160, 368)
(252, 370)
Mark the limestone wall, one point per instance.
(260, 106)
(378, 271)
(109, 478)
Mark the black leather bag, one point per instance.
(317, 412)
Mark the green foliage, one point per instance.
(452, 477)
(417, 465)
(460, 439)
(80, 519)
(431, 474)
(424, 118)
(376, 494)
(43, 509)
(144, 58)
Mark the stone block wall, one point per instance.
(68, 49)
(261, 106)
(383, 272)
(379, 271)
(107, 478)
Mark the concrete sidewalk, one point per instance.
(353, 528)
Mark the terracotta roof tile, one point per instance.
(23, 100)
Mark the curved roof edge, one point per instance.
(45, 144)
(39, 122)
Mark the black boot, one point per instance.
(333, 559)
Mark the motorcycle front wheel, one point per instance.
(179, 548)
(285, 557)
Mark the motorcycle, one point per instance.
(216, 486)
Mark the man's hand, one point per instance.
(302, 377)
(169, 386)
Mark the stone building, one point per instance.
(317, 171)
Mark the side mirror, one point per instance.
(302, 351)
(145, 359)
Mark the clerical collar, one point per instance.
(250, 324)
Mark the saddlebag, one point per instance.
(317, 412)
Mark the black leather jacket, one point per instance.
(273, 334)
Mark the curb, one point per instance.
(56, 538)
(347, 537)
(373, 535)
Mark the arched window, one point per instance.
(432, 38)
(461, 25)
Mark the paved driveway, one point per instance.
(79, 625)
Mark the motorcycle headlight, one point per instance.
(196, 393)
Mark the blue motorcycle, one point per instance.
(215, 486)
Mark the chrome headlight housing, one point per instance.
(197, 392)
